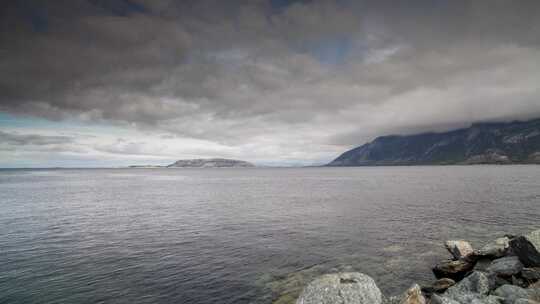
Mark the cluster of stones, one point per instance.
(506, 271)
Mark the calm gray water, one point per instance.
(242, 235)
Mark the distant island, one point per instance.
(210, 163)
(515, 142)
(203, 163)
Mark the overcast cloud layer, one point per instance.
(274, 82)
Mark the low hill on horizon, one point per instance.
(210, 163)
(515, 142)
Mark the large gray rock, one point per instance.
(496, 249)
(474, 286)
(341, 288)
(527, 248)
(459, 249)
(506, 266)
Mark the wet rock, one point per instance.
(342, 288)
(527, 248)
(442, 284)
(499, 248)
(531, 274)
(459, 249)
(506, 266)
(454, 270)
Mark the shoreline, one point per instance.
(503, 271)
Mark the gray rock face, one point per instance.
(527, 248)
(497, 249)
(506, 266)
(341, 288)
(459, 249)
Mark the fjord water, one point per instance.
(242, 235)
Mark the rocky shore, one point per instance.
(505, 271)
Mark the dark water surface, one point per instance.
(242, 235)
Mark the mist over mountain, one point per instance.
(481, 143)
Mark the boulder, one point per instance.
(472, 289)
(511, 293)
(454, 270)
(499, 248)
(442, 284)
(459, 249)
(531, 274)
(342, 288)
(505, 267)
(527, 248)
(525, 301)
(476, 283)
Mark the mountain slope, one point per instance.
(514, 142)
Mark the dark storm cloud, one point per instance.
(327, 72)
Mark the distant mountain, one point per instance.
(482, 143)
(210, 163)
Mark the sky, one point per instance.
(93, 83)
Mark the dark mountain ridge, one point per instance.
(481, 143)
